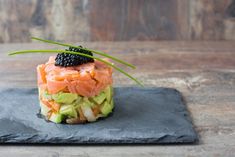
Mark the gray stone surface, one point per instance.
(141, 115)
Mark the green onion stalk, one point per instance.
(82, 54)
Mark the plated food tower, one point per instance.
(75, 86)
(74, 89)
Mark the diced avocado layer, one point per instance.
(86, 102)
(56, 118)
(106, 108)
(64, 98)
(109, 93)
(99, 98)
(68, 110)
(71, 104)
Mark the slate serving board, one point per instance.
(141, 115)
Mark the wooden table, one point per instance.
(203, 71)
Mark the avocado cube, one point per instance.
(68, 110)
(65, 98)
(56, 118)
(106, 108)
(109, 93)
(87, 102)
(99, 98)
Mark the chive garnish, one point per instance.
(82, 54)
(94, 51)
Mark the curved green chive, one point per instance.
(94, 51)
(82, 54)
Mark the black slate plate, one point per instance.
(142, 115)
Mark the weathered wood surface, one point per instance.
(203, 71)
(117, 20)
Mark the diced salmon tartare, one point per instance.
(76, 94)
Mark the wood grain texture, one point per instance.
(134, 20)
(54, 19)
(208, 18)
(112, 20)
(202, 71)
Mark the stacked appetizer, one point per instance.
(75, 86)
(74, 89)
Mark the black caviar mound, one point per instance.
(67, 60)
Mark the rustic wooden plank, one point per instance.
(181, 61)
(110, 20)
(183, 16)
(117, 151)
(162, 56)
(56, 19)
(208, 20)
(142, 47)
(78, 20)
(135, 20)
